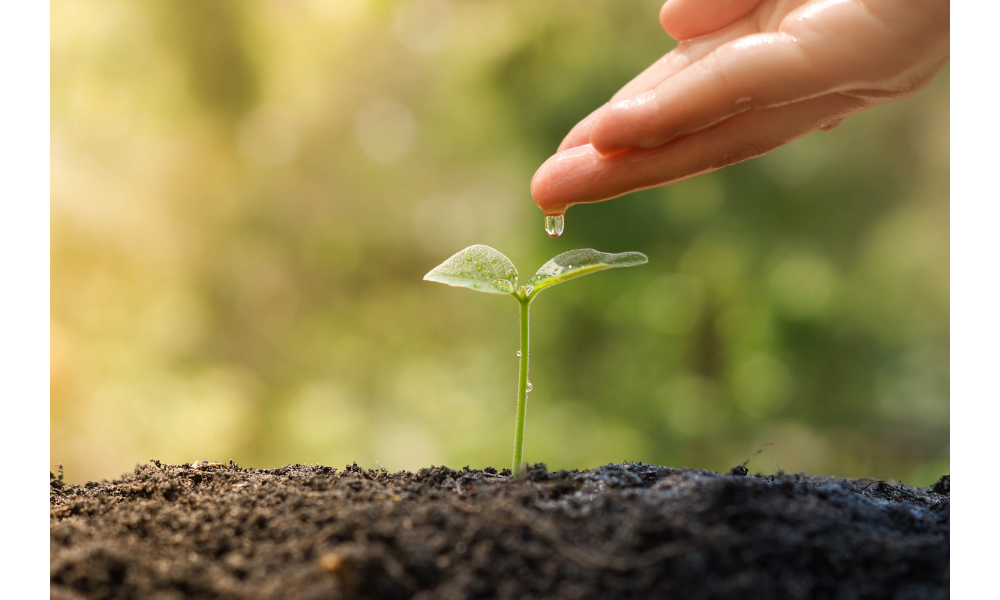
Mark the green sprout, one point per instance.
(484, 269)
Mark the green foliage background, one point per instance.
(245, 196)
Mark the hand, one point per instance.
(747, 77)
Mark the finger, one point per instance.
(684, 55)
(685, 19)
(754, 72)
(757, 71)
(672, 63)
(580, 134)
(582, 175)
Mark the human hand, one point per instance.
(747, 77)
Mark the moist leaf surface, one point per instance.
(479, 268)
(584, 261)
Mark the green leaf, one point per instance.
(575, 263)
(478, 267)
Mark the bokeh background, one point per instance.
(246, 195)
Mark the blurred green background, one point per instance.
(246, 195)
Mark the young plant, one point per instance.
(484, 269)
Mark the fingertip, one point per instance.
(625, 124)
(555, 184)
(606, 131)
(686, 19)
(580, 134)
(602, 137)
(682, 21)
(667, 12)
(540, 185)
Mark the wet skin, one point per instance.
(747, 77)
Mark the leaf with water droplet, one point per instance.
(495, 274)
(576, 263)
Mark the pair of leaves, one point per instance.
(484, 269)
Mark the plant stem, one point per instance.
(522, 388)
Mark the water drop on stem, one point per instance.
(529, 385)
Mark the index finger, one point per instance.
(669, 65)
(800, 61)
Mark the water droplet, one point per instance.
(554, 225)
(529, 386)
(528, 289)
(569, 266)
(519, 353)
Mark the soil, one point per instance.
(631, 530)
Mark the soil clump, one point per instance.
(631, 530)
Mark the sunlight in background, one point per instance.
(385, 130)
(245, 198)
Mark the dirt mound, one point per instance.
(620, 531)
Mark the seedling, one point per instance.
(484, 269)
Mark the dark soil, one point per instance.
(621, 531)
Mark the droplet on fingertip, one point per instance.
(554, 225)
